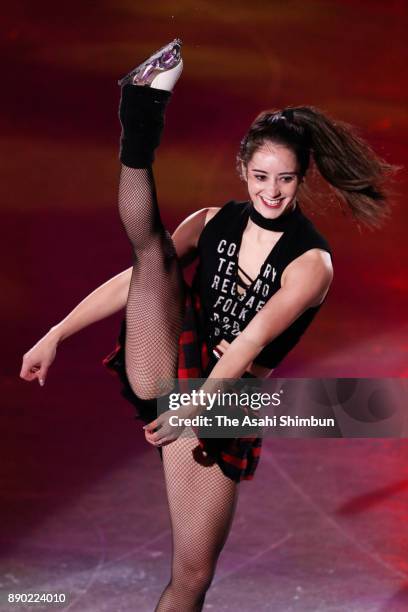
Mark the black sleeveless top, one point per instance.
(225, 311)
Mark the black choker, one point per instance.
(281, 224)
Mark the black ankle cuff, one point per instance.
(141, 113)
(139, 93)
(136, 156)
(149, 93)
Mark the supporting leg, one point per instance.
(202, 502)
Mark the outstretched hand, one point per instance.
(38, 359)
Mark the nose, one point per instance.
(272, 189)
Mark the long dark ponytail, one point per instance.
(353, 170)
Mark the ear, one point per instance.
(244, 171)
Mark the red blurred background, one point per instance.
(62, 234)
(60, 137)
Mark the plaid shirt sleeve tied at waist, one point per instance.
(237, 457)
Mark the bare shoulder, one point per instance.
(315, 260)
(317, 257)
(199, 217)
(313, 271)
(187, 233)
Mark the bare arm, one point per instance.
(102, 302)
(305, 283)
(105, 300)
(112, 295)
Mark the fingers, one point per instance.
(220, 349)
(165, 441)
(30, 372)
(151, 426)
(151, 435)
(224, 344)
(154, 441)
(42, 374)
(157, 438)
(27, 372)
(159, 432)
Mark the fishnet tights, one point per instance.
(201, 499)
(202, 502)
(155, 305)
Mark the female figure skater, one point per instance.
(263, 273)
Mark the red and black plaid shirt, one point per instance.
(237, 457)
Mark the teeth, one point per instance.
(270, 200)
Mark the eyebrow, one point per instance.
(264, 172)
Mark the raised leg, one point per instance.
(154, 311)
(155, 306)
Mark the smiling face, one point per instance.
(273, 179)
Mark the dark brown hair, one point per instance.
(354, 171)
